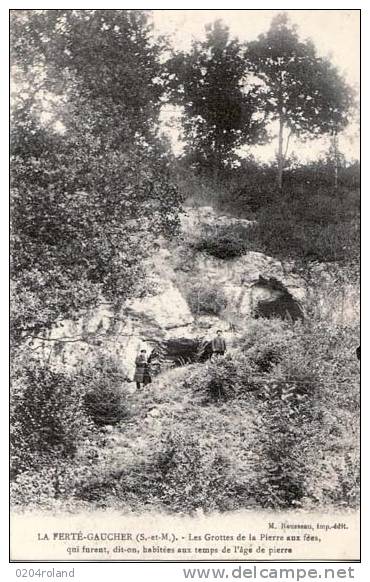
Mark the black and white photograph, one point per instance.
(185, 285)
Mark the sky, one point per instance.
(335, 33)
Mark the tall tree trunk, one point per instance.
(216, 166)
(280, 152)
(215, 173)
(336, 159)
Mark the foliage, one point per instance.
(54, 413)
(205, 299)
(304, 92)
(319, 228)
(309, 421)
(230, 433)
(54, 485)
(309, 223)
(198, 470)
(48, 418)
(267, 341)
(223, 242)
(90, 176)
(252, 186)
(272, 424)
(219, 114)
(103, 396)
(305, 405)
(245, 190)
(333, 293)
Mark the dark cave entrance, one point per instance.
(181, 351)
(281, 303)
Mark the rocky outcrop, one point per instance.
(165, 310)
(239, 276)
(250, 283)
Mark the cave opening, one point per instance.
(181, 351)
(272, 299)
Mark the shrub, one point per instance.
(224, 379)
(45, 486)
(51, 421)
(224, 242)
(206, 299)
(199, 470)
(284, 432)
(309, 420)
(258, 192)
(103, 395)
(48, 418)
(266, 341)
(58, 483)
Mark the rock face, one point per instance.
(247, 280)
(254, 285)
(239, 279)
(140, 324)
(168, 309)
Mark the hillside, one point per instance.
(273, 423)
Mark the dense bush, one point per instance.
(227, 378)
(48, 418)
(308, 423)
(314, 229)
(103, 396)
(266, 341)
(224, 242)
(207, 466)
(259, 190)
(206, 299)
(53, 413)
(51, 484)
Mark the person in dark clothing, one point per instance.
(147, 379)
(218, 344)
(142, 372)
(154, 362)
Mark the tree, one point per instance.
(90, 180)
(303, 92)
(335, 159)
(219, 114)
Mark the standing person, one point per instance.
(154, 362)
(218, 344)
(147, 379)
(141, 363)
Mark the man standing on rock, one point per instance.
(218, 344)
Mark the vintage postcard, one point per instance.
(185, 285)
